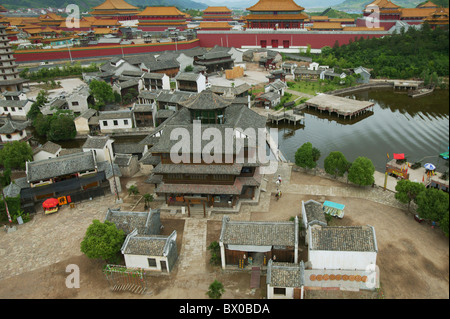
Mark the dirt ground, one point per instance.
(413, 258)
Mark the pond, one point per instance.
(398, 124)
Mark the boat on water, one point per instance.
(421, 92)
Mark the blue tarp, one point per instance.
(334, 205)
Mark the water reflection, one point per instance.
(399, 124)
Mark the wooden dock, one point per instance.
(289, 116)
(341, 106)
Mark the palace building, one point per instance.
(115, 9)
(161, 18)
(217, 14)
(387, 13)
(276, 14)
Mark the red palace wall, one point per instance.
(96, 51)
(315, 39)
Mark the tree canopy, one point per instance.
(361, 172)
(15, 154)
(403, 55)
(307, 156)
(102, 240)
(407, 191)
(336, 164)
(102, 93)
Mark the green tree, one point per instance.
(35, 108)
(336, 164)
(148, 198)
(62, 126)
(15, 154)
(361, 172)
(102, 241)
(215, 290)
(432, 204)
(189, 68)
(41, 124)
(102, 93)
(407, 191)
(307, 156)
(133, 190)
(214, 249)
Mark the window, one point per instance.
(151, 262)
(115, 123)
(75, 103)
(279, 291)
(125, 122)
(105, 123)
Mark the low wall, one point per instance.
(98, 51)
(316, 39)
(388, 84)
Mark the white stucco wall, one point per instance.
(321, 259)
(140, 261)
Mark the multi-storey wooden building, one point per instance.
(9, 75)
(115, 9)
(276, 14)
(217, 14)
(161, 18)
(197, 179)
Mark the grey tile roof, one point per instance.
(105, 166)
(96, 142)
(314, 212)
(110, 115)
(123, 160)
(286, 275)
(267, 233)
(343, 238)
(59, 166)
(12, 126)
(128, 221)
(128, 148)
(48, 147)
(186, 76)
(206, 100)
(233, 169)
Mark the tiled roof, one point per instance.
(233, 169)
(416, 12)
(215, 25)
(206, 100)
(267, 233)
(216, 9)
(59, 166)
(299, 16)
(326, 25)
(199, 189)
(149, 245)
(276, 5)
(161, 11)
(314, 212)
(97, 142)
(114, 4)
(11, 126)
(128, 221)
(48, 147)
(280, 274)
(343, 238)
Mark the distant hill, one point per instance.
(180, 4)
(83, 4)
(358, 5)
(86, 5)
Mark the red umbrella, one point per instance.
(49, 203)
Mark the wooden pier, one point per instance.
(290, 116)
(342, 106)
